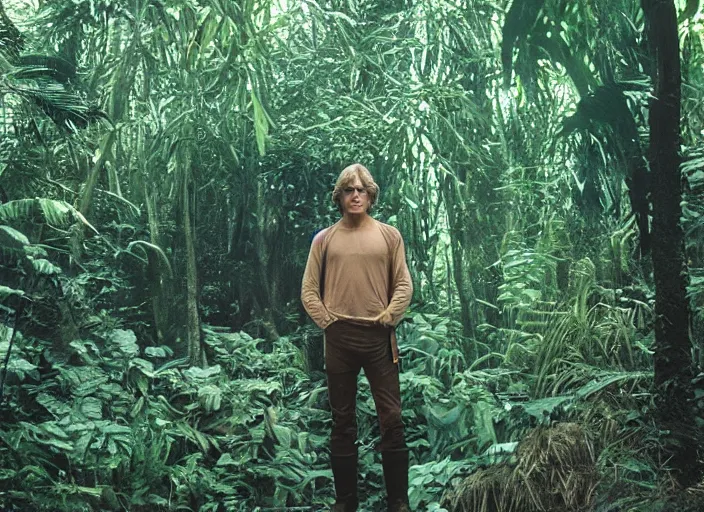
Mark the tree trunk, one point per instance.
(673, 363)
(157, 272)
(196, 355)
(267, 296)
(92, 180)
(456, 220)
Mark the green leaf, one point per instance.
(261, 124)
(158, 351)
(226, 460)
(126, 341)
(599, 384)
(155, 249)
(11, 238)
(146, 367)
(138, 407)
(59, 214)
(46, 268)
(22, 367)
(412, 204)
(7, 474)
(283, 435)
(696, 179)
(113, 428)
(532, 295)
(92, 408)
(498, 452)
(81, 445)
(83, 380)
(195, 373)
(544, 407)
(443, 418)
(484, 424)
(6, 292)
(52, 428)
(211, 397)
(35, 470)
(54, 406)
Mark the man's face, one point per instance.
(355, 199)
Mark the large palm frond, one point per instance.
(36, 84)
(40, 210)
(605, 115)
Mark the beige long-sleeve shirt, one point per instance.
(365, 275)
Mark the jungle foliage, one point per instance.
(165, 164)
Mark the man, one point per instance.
(357, 287)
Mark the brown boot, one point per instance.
(344, 472)
(395, 464)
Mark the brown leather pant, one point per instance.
(348, 348)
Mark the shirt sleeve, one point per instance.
(402, 286)
(310, 287)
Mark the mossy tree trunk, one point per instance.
(673, 363)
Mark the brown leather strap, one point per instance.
(322, 271)
(394, 345)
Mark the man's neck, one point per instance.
(356, 221)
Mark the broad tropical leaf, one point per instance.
(55, 213)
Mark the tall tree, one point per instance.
(673, 364)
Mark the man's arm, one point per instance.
(310, 287)
(402, 286)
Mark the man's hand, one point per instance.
(384, 318)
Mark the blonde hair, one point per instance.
(347, 176)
